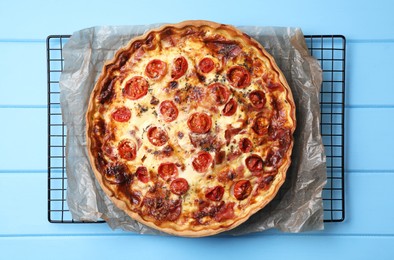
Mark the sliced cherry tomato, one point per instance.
(142, 174)
(215, 193)
(245, 145)
(230, 108)
(257, 98)
(254, 163)
(127, 150)
(238, 77)
(156, 69)
(219, 93)
(121, 114)
(168, 110)
(199, 123)
(136, 88)
(273, 158)
(168, 171)
(179, 186)
(260, 125)
(179, 67)
(157, 136)
(206, 65)
(242, 189)
(202, 161)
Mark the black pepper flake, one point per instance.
(200, 77)
(154, 101)
(142, 109)
(173, 84)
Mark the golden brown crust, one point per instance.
(119, 199)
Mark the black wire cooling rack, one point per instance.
(330, 50)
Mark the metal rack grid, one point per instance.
(328, 49)
(57, 180)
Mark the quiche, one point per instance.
(190, 128)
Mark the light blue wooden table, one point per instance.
(368, 229)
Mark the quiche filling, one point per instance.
(190, 128)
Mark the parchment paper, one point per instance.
(298, 206)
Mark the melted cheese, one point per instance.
(145, 115)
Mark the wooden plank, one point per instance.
(153, 247)
(23, 139)
(24, 79)
(369, 74)
(369, 139)
(329, 17)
